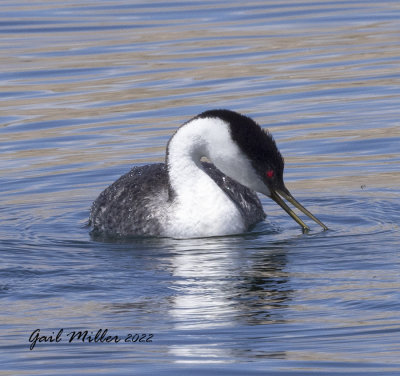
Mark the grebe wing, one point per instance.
(133, 204)
(245, 199)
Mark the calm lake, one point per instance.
(91, 88)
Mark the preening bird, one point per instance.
(187, 197)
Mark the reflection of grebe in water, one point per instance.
(185, 197)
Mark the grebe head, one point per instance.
(259, 157)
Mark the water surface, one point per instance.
(90, 88)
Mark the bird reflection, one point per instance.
(261, 292)
(229, 290)
(221, 291)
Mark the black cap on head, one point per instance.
(256, 143)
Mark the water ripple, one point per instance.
(91, 88)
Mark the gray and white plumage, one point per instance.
(186, 197)
(118, 211)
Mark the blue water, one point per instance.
(89, 89)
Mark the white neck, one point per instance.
(199, 202)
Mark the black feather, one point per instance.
(255, 142)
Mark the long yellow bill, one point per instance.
(288, 196)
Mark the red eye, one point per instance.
(270, 173)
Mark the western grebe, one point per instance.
(186, 197)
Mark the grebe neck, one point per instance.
(210, 138)
(197, 201)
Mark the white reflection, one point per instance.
(220, 285)
(201, 298)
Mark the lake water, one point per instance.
(91, 88)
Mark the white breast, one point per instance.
(203, 209)
(200, 207)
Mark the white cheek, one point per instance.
(239, 168)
